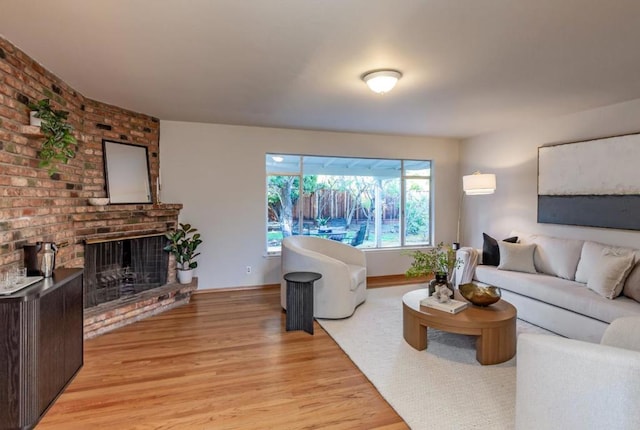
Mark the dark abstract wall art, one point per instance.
(592, 183)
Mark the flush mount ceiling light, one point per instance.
(381, 81)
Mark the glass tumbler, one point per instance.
(4, 280)
(20, 275)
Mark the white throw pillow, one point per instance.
(516, 257)
(556, 256)
(591, 253)
(609, 273)
(631, 287)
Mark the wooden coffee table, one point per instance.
(494, 325)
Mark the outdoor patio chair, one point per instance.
(359, 237)
(338, 237)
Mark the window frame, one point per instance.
(403, 179)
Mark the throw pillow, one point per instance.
(631, 287)
(611, 270)
(490, 250)
(516, 257)
(591, 252)
(556, 256)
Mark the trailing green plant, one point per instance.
(59, 142)
(440, 259)
(183, 244)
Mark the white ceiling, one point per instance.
(470, 66)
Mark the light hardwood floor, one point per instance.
(224, 361)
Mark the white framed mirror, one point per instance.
(126, 169)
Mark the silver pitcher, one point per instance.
(48, 259)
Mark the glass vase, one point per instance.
(440, 279)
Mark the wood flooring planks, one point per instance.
(224, 361)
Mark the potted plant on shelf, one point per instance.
(322, 225)
(59, 142)
(183, 243)
(439, 261)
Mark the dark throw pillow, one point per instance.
(490, 250)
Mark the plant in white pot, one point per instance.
(183, 243)
(59, 144)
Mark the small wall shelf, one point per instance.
(31, 131)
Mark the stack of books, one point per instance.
(452, 306)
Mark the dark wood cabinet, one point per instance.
(41, 343)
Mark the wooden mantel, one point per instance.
(123, 221)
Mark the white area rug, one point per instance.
(443, 387)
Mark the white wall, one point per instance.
(512, 156)
(218, 173)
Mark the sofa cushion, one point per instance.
(569, 295)
(358, 275)
(632, 284)
(555, 256)
(609, 273)
(491, 251)
(591, 252)
(516, 257)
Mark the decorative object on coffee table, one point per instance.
(480, 295)
(442, 293)
(439, 261)
(451, 306)
(440, 285)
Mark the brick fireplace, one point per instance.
(37, 207)
(128, 276)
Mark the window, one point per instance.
(366, 202)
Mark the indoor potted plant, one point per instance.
(439, 261)
(59, 142)
(183, 243)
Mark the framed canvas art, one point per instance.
(126, 169)
(591, 183)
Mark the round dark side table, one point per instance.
(300, 300)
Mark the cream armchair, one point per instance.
(343, 285)
(569, 384)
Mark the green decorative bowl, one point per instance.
(480, 295)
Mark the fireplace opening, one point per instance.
(119, 268)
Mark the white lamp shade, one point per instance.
(479, 183)
(382, 81)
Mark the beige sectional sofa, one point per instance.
(565, 288)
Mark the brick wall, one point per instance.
(36, 207)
